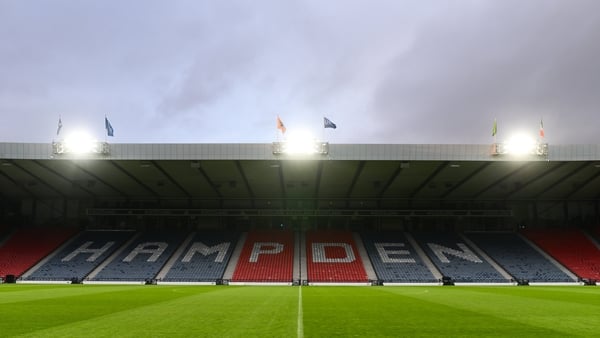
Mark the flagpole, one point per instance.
(58, 128)
(105, 130)
(494, 133)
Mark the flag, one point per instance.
(280, 125)
(328, 124)
(109, 128)
(495, 128)
(541, 128)
(59, 126)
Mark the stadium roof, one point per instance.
(381, 176)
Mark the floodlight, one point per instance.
(80, 143)
(520, 144)
(300, 143)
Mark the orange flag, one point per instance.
(280, 125)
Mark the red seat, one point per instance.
(266, 267)
(330, 271)
(28, 246)
(571, 248)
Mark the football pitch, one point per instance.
(309, 311)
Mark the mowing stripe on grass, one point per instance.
(543, 311)
(230, 311)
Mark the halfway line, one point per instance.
(300, 315)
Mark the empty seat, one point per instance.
(455, 259)
(571, 248)
(143, 258)
(518, 258)
(88, 250)
(27, 246)
(399, 262)
(204, 258)
(267, 256)
(332, 257)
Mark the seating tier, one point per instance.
(455, 259)
(332, 256)
(519, 258)
(204, 258)
(571, 248)
(267, 256)
(394, 258)
(27, 246)
(81, 256)
(142, 259)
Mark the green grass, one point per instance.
(233, 311)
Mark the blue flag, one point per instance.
(109, 128)
(328, 124)
(59, 126)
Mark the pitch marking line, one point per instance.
(300, 315)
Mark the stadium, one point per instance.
(201, 214)
(383, 216)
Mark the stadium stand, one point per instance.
(332, 257)
(204, 258)
(142, 259)
(267, 256)
(27, 246)
(235, 188)
(519, 258)
(571, 248)
(456, 260)
(75, 261)
(394, 258)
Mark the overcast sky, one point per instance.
(395, 71)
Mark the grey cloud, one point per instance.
(384, 71)
(506, 60)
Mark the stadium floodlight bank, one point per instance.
(527, 149)
(300, 148)
(87, 147)
(273, 151)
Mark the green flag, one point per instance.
(494, 128)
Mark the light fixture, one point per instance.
(520, 145)
(300, 148)
(80, 143)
